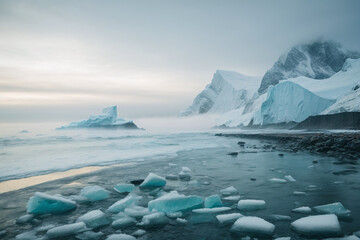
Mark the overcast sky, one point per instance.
(68, 59)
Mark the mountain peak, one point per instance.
(317, 60)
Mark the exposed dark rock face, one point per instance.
(344, 120)
(318, 60)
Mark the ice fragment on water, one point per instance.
(138, 233)
(336, 208)
(90, 235)
(124, 188)
(44, 203)
(153, 181)
(212, 210)
(66, 230)
(120, 237)
(232, 198)
(277, 180)
(94, 193)
(290, 178)
(304, 210)
(298, 193)
(229, 191)
(136, 211)
(124, 222)
(154, 220)
(213, 201)
(94, 219)
(320, 225)
(181, 220)
(251, 205)
(25, 218)
(120, 205)
(276, 217)
(228, 218)
(253, 226)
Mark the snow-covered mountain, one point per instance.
(228, 90)
(108, 118)
(318, 60)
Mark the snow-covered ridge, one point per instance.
(108, 118)
(228, 90)
(318, 60)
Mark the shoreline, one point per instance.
(21, 183)
(344, 146)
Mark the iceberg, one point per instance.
(94, 193)
(94, 219)
(154, 220)
(124, 188)
(120, 237)
(228, 90)
(175, 202)
(251, 205)
(108, 119)
(336, 208)
(228, 218)
(42, 203)
(320, 225)
(213, 201)
(253, 226)
(120, 205)
(153, 181)
(66, 230)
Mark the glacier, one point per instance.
(228, 90)
(107, 119)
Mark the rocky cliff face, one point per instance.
(318, 60)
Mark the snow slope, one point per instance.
(317, 60)
(108, 118)
(228, 90)
(348, 103)
(337, 85)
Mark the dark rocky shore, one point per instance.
(343, 146)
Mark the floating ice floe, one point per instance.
(336, 208)
(172, 177)
(298, 193)
(175, 202)
(120, 236)
(139, 233)
(290, 178)
(351, 237)
(213, 201)
(25, 218)
(90, 235)
(174, 215)
(229, 191)
(283, 238)
(153, 181)
(66, 230)
(251, 205)
(94, 219)
(154, 220)
(124, 188)
(304, 210)
(320, 225)
(253, 226)
(94, 193)
(228, 218)
(120, 205)
(136, 211)
(123, 222)
(277, 180)
(185, 174)
(232, 198)
(43, 203)
(276, 217)
(29, 235)
(181, 220)
(211, 210)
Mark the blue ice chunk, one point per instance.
(90, 235)
(43, 203)
(120, 237)
(123, 222)
(175, 202)
(124, 188)
(66, 230)
(94, 219)
(254, 226)
(120, 205)
(336, 208)
(94, 193)
(154, 220)
(153, 181)
(213, 201)
(251, 205)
